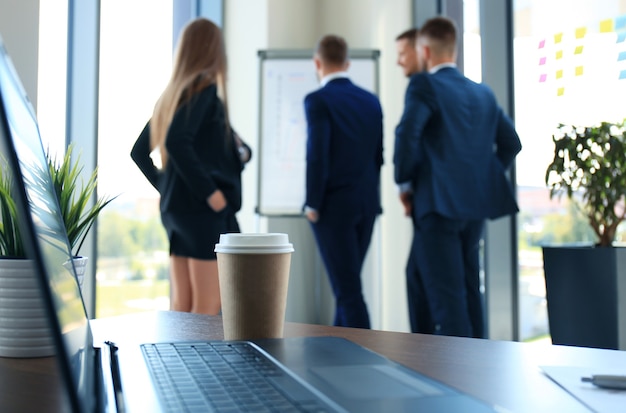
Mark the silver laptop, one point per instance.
(295, 374)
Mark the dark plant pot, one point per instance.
(586, 295)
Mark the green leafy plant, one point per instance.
(591, 161)
(74, 197)
(11, 245)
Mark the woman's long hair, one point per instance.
(200, 61)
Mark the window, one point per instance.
(135, 64)
(472, 65)
(569, 68)
(52, 74)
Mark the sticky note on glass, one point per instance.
(606, 26)
(558, 38)
(622, 75)
(578, 50)
(542, 44)
(559, 74)
(542, 78)
(559, 54)
(542, 61)
(579, 70)
(621, 56)
(581, 32)
(620, 22)
(621, 37)
(560, 91)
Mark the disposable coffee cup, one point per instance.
(254, 276)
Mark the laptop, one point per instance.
(312, 373)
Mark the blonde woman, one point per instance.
(199, 178)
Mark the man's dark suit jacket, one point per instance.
(344, 150)
(455, 159)
(454, 145)
(344, 156)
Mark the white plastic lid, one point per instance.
(254, 243)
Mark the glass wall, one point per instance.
(135, 64)
(570, 67)
(472, 66)
(52, 74)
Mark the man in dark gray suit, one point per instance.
(343, 159)
(454, 144)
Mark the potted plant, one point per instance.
(78, 216)
(18, 286)
(74, 198)
(16, 272)
(583, 282)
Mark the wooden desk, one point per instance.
(499, 372)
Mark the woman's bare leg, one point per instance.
(180, 284)
(205, 287)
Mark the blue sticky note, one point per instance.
(621, 37)
(622, 74)
(620, 22)
(621, 56)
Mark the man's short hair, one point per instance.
(332, 50)
(441, 31)
(409, 35)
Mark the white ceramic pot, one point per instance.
(24, 324)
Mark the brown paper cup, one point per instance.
(253, 287)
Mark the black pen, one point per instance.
(607, 381)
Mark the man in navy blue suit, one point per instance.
(454, 144)
(344, 157)
(419, 313)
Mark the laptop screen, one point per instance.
(23, 157)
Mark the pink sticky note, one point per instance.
(542, 44)
(542, 78)
(542, 61)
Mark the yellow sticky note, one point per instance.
(559, 74)
(581, 32)
(558, 37)
(560, 91)
(578, 50)
(606, 26)
(559, 54)
(579, 70)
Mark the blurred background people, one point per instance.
(454, 145)
(407, 53)
(199, 176)
(419, 313)
(343, 159)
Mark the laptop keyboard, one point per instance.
(225, 377)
